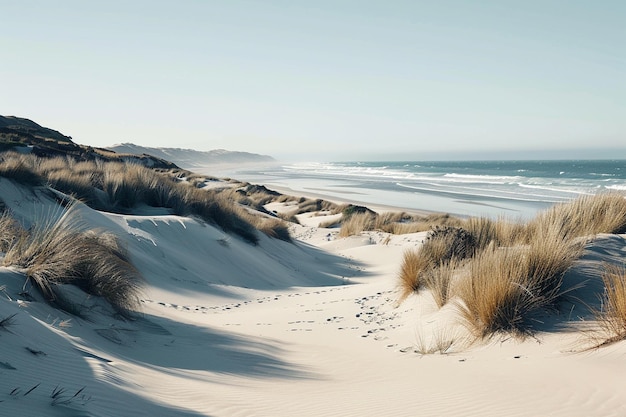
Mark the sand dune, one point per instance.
(310, 328)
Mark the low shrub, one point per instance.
(443, 248)
(273, 228)
(445, 243)
(349, 210)
(306, 205)
(259, 195)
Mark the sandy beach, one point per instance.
(309, 328)
(313, 209)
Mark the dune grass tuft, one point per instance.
(19, 168)
(10, 231)
(358, 219)
(439, 279)
(505, 287)
(431, 264)
(611, 317)
(58, 251)
(587, 215)
(355, 224)
(446, 243)
(494, 296)
(272, 227)
(411, 269)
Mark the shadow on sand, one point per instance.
(160, 342)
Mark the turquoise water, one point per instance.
(491, 188)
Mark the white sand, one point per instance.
(311, 328)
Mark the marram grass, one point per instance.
(59, 251)
(516, 270)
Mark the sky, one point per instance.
(323, 80)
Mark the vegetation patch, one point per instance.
(10, 231)
(506, 287)
(57, 252)
(429, 266)
(611, 316)
(17, 170)
(585, 216)
(121, 187)
(505, 273)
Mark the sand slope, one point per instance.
(311, 328)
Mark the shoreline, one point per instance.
(380, 196)
(379, 208)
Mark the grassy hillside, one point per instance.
(23, 135)
(191, 158)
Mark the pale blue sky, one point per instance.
(322, 79)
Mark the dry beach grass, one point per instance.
(503, 271)
(121, 187)
(513, 270)
(310, 327)
(58, 250)
(611, 316)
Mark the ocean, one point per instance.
(514, 189)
